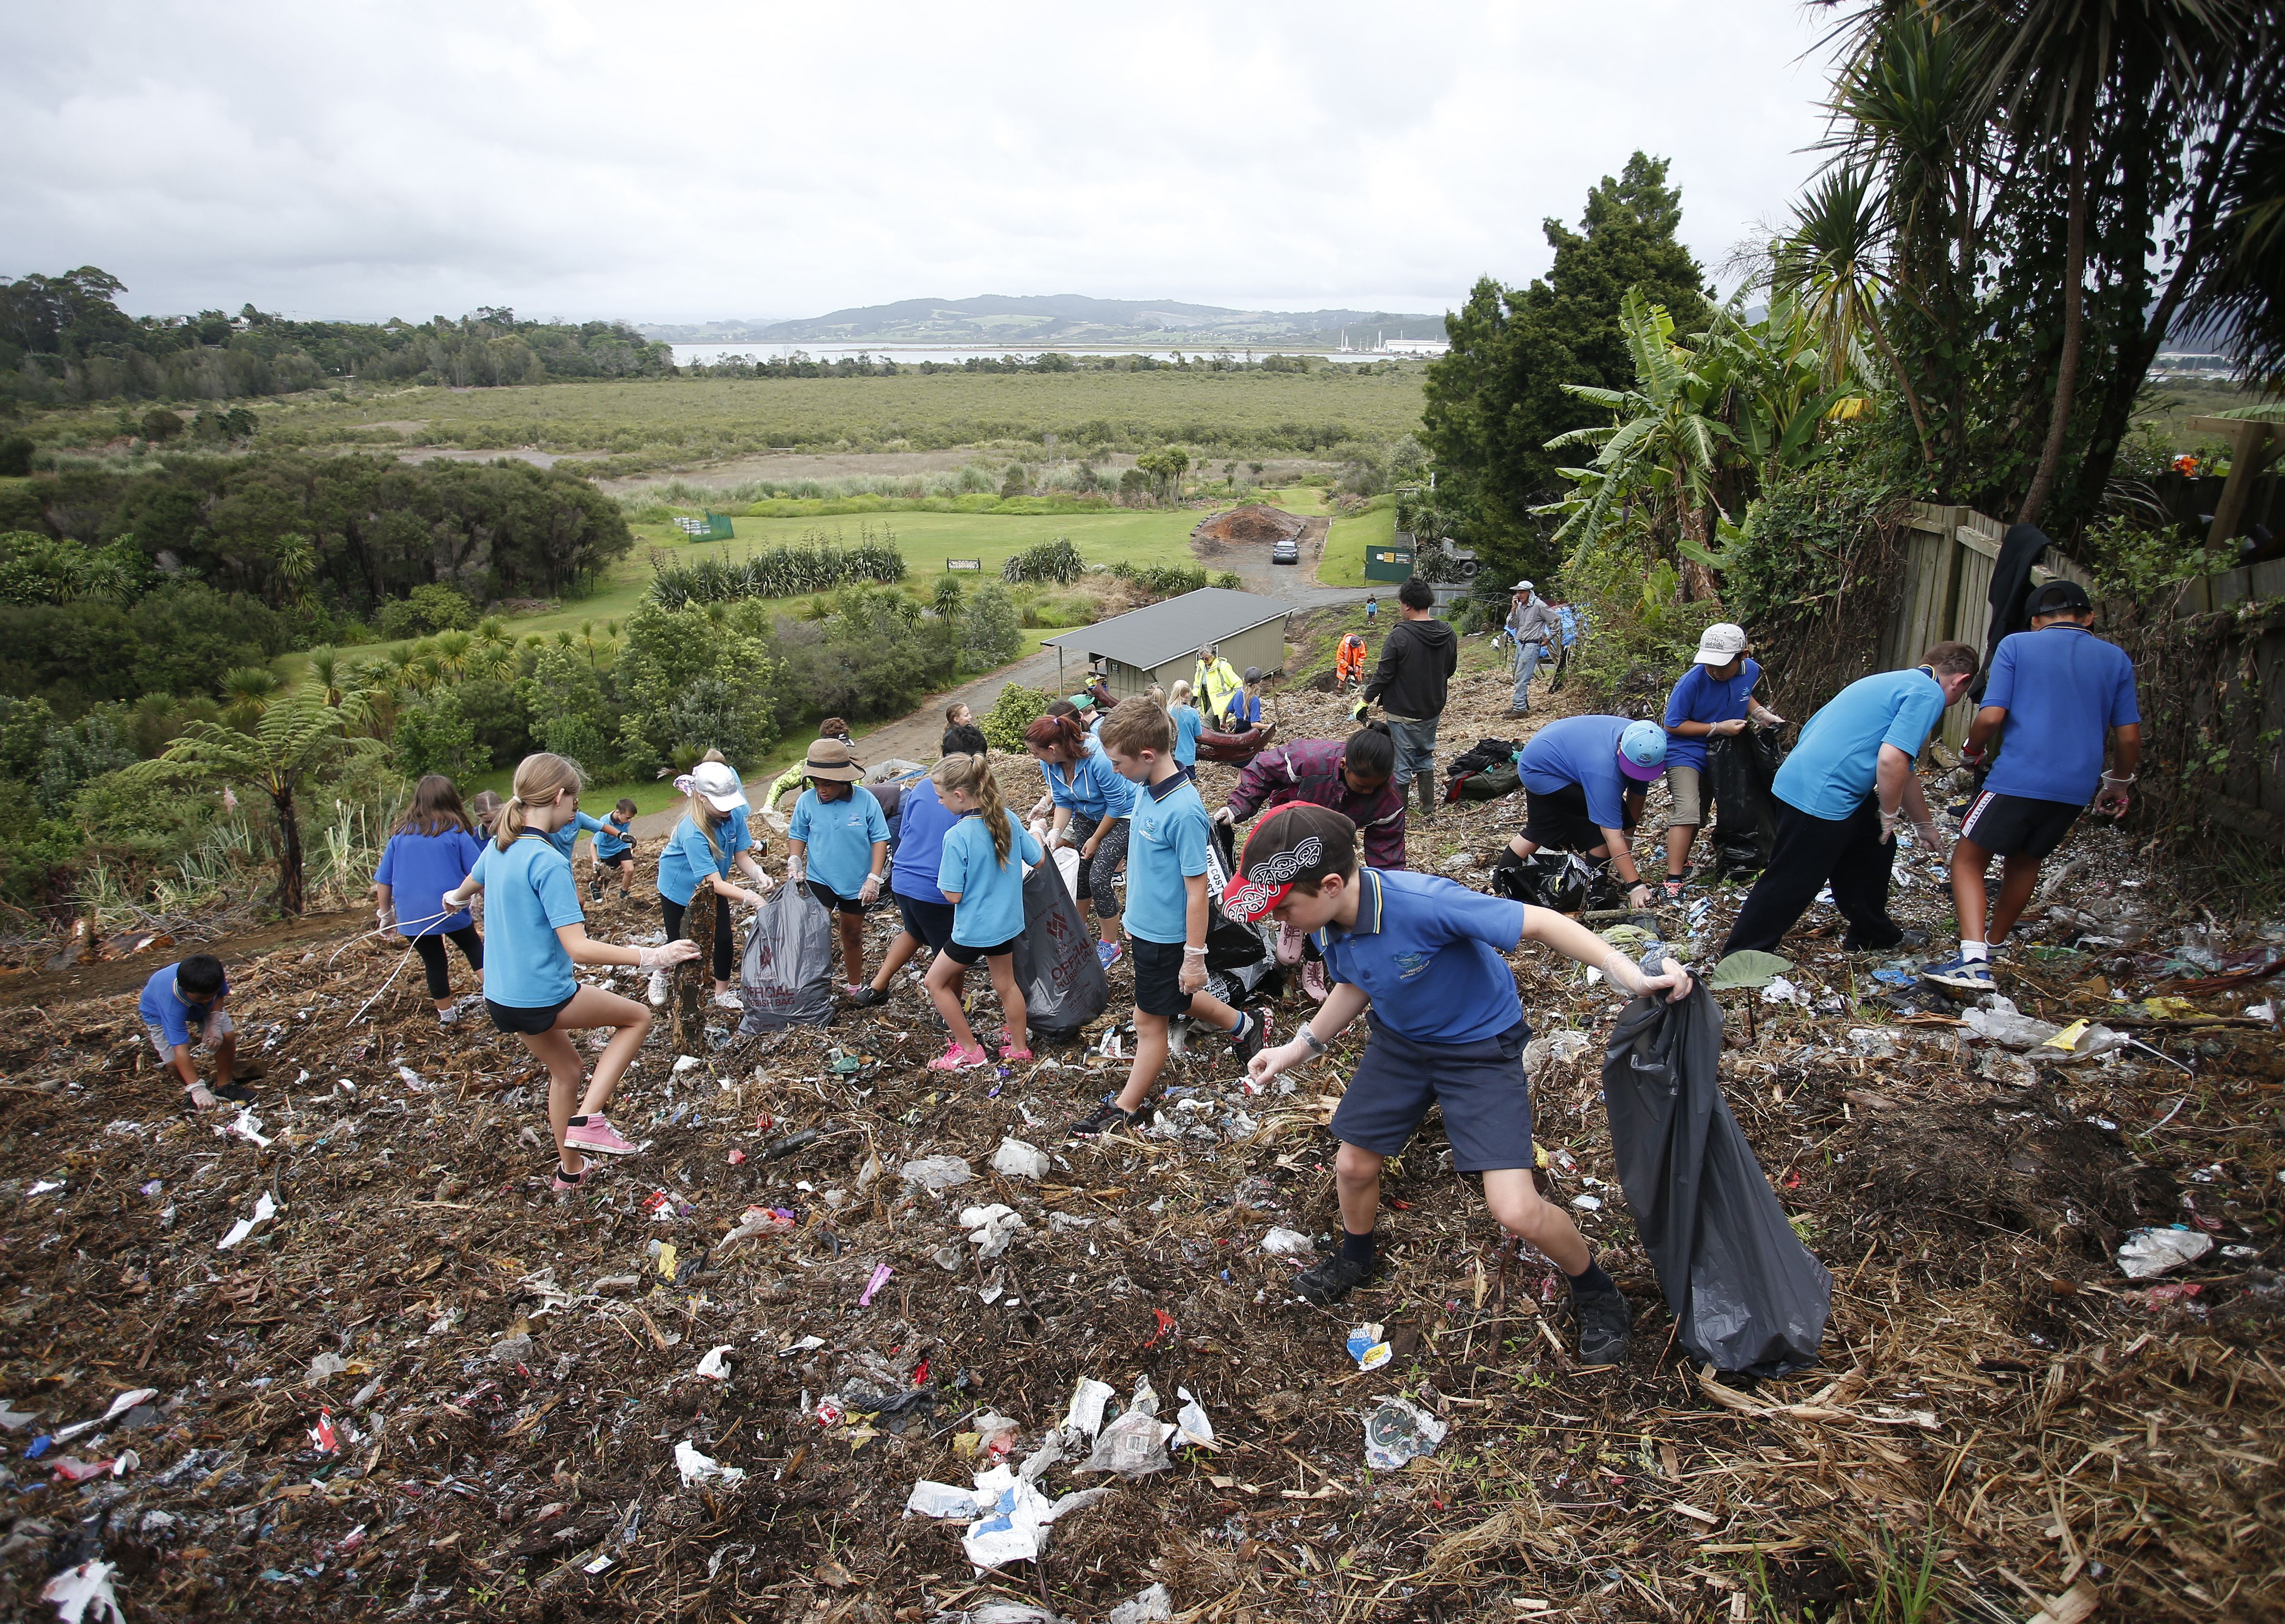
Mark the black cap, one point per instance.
(2059, 597)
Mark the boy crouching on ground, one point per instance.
(182, 1011)
(1426, 955)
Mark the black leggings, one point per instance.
(431, 949)
(672, 911)
(1096, 874)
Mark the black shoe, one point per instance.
(1604, 1318)
(1107, 1118)
(1903, 941)
(1333, 1279)
(870, 998)
(1246, 1045)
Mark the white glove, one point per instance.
(1928, 836)
(1638, 895)
(869, 892)
(764, 885)
(1224, 816)
(794, 869)
(659, 958)
(1889, 823)
(454, 900)
(386, 916)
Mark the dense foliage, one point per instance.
(815, 565)
(64, 338)
(1056, 560)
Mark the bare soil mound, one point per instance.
(1252, 522)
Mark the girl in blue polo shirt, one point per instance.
(1428, 957)
(1092, 803)
(837, 843)
(1189, 724)
(710, 840)
(981, 873)
(538, 940)
(430, 853)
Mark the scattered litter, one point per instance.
(1134, 1446)
(937, 1173)
(265, 1209)
(120, 1406)
(1367, 1347)
(324, 1366)
(696, 1468)
(1192, 1426)
(715, 1366)
(76, 1589)
(1874, 1042)
(1398, 1431)
(1085, 1416)
(941, 1500)
(1149, 1606)
(1017, 1160)
(991, 1227)
(881, 1272)
(2000, 1021)
(2153, 1251)
(1287, 1244)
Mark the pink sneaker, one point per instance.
(598, 1137)
(955, 1058)
(566, 1181)
(1009, 1051)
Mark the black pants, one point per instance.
(431, 949)
(671, 912)
(1810, 851)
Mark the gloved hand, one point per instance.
(386, 916)
(1357, 710)
(1224, 816)
(455, 899)
(763, 886)
(1638, 895)
(678, 951)
(1928, 836)
(869, 892)
(1889, 820)
(1769, 719)
(796, 870)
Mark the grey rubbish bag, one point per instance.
(786, 976)
(1056, 962)
(1745, 1292)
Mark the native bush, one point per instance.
(1056, 560)
(433, 735)
(990, 635)
(814, 565)
(1017, 708)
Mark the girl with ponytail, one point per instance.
(981, 875)
(537, 939)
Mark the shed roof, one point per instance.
(1153, 635)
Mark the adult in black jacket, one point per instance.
(1410, 686)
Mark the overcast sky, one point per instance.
(686, 159)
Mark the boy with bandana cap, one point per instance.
(1426, 956)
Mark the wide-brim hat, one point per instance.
(829, 758)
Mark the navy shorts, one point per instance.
(965, 955)
(833, 900)
(2018, 825)
(1559, 819)
(509, 1017)
(1486, 1096)
(928, 924)
(1157, 972)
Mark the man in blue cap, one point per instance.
(1840, 796)
(1583, 780)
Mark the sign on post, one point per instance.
(713, 526)
(964, 564)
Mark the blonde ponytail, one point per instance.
(973, 775)
(539, 781)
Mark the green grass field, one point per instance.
(668, 422)
(1343, 564)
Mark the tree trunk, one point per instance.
(1698, 583)
(2051, 458)
(693, 983)
(289, 853)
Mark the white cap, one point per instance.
(1520, 586)
(1721, 643)
(718, 781)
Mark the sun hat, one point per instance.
(1082, 700)
(1521, 586)
(829, 758)
(718, 781)
(1298, 841)
(1721, 643)
(1642, 751)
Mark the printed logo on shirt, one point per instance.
(1411, 964)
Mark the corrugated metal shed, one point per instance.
(1148, 638)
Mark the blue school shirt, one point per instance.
(1831, 770)
(1428, 952)
(528, 892)
(924, 820)
(170, 1012)
(1188, 725)
(1092, 786)
(991, 906)
(688, 855)
(1581, 750)
(1244, 710)
(419, 869)
(1165, 845)
(2064, 689)
(1699, 697)
(610, 841)
(841, 834)
(566, 837)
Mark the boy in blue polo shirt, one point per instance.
(1426, 956)
(182, 1011)
(1166, 905)
(2058, 694)
(615, 847)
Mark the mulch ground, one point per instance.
(424, 1386)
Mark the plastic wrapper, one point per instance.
(1397, 1432)
(2148, 1253)
(1745, 1294)
(1134, 1446)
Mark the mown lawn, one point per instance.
(1343, 564)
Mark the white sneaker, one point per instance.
(658, 989)
(729, 1001)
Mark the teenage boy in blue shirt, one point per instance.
(182, 1011)
(1584, 778)
(1166, 905)
(1426, 956)
(1840, 796)
(2057, 694)
(615, 847)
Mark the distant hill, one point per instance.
(1049, 320)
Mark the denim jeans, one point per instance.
(1416, 749)
(1527, 657)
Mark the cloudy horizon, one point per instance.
(747, 163)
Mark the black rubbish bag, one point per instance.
(1738, 773)
(1563, 880)
(1056, 962)
(1747, 1296)
(1231, 944)
(786, 978)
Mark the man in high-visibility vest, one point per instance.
(1349, 665)
(1216, 678)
